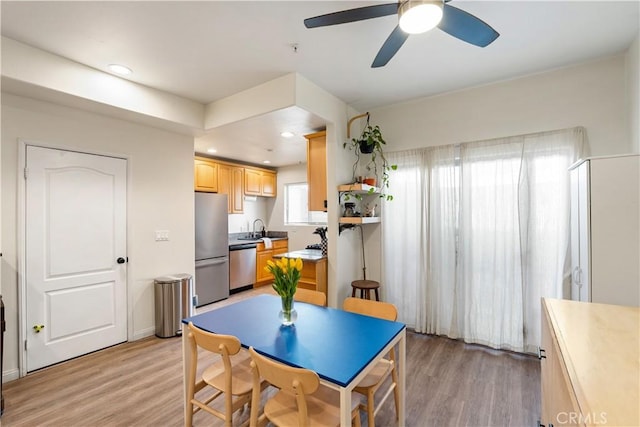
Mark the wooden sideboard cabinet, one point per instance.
(263, 255)
(590, 364)
(317, 170)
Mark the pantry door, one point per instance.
(75, 254)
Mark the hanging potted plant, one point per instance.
(371, 142)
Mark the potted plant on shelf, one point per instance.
(371, 142)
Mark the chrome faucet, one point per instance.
(254, 227)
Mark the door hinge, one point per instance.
(26, 172)
(25, 345)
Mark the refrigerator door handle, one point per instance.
(211, 261)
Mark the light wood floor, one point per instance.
(449, 383)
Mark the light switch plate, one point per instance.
(162, 235)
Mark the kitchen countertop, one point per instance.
(313, 255)
(235, 241)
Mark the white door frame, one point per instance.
(21, 239)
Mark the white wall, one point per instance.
(299, 235)
(160, 196)
(633, 84)
(254, 208)
(590, 95)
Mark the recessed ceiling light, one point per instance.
(120, 69)
(212, 150)
(266, 162)
(286, 134)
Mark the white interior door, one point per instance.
(75, 287)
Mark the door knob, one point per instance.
(38, 328)
(120, 260)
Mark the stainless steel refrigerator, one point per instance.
(212, 247)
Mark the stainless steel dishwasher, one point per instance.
(242, 265)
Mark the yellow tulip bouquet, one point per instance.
(286, 274)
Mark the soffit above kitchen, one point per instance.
(205, 51)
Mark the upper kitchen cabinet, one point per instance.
(235, 180)
(317, 170)
(205, 175)
(231, 182)
(259, 182)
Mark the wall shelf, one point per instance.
(359, 220)
(363, 190)
(358, 188)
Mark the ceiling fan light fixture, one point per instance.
(418, 16)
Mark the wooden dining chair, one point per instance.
(372, 382)
(307, 295)
(228, 377)
(300, 401)
(310, 296)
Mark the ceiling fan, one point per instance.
(415, 16)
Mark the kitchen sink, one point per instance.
(255, 239)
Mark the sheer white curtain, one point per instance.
(477, 233)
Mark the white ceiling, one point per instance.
(207, 50)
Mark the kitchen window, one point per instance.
(296, 206)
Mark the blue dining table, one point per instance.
(340, 346)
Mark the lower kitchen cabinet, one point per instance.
(314, 275)
(263, 255)
(589, 364)
(314, 269)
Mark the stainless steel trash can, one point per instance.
(174, 300)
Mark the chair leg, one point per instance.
(377, 296)
(355, 418)
(396, 392)
(371, 406)
(353, 292)
(189, 421)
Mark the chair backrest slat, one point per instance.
(215, 343)
(382, 310)
(295, 380)
(310, 296)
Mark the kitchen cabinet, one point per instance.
(314, 269)
(605, 231)
(317, 170)
(205, 175)
(235, 180)
(589, 364)
(367, 194)
(263, 255)
(259, 182)
(231, 182)
(314, 275)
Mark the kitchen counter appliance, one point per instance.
(212, 247)
(242, 265)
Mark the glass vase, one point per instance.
(288, 314)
